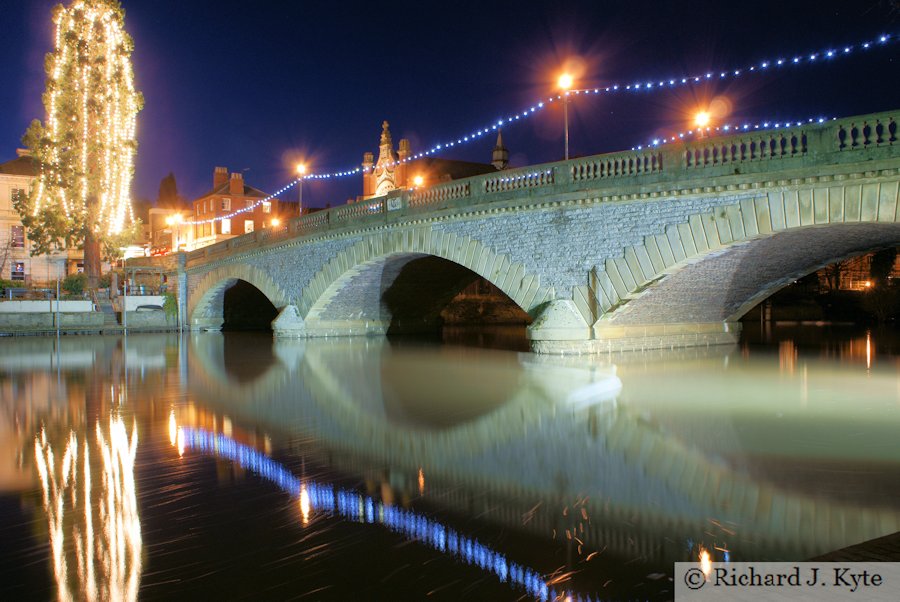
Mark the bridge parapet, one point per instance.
(680, 168)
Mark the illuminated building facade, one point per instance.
(233, 208)
(394, 169)
(17, 178)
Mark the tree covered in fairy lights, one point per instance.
(85, 148)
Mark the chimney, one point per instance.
(23, 152)
(236, 186)
(220, 177)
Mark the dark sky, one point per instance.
(254, 85)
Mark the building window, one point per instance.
(226, 226)
(197, 209)
(248, 204)
(17, 271)
(248, 226)
(17, 237)
(17, 195)
(267, 207)
(226, 204)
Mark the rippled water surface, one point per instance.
(232, 466)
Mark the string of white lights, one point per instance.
(729, 129)
(763, 66)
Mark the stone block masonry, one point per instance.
(635, 250)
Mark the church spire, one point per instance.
(500, 156)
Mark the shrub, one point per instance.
(170, 305)
(74, 283)
(5, 284)
(106, 279)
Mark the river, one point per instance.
(232, 466)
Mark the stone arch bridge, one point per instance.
(663, 247)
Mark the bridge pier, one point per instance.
(561, 330)
(289, 323)
(208, 324)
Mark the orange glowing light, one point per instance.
(179, 440)
(701, 119)
(173, 428)
(304, 504)
(418, 180)
(705, 562)
(421, 482)
(565, 81)
(868, 284)
(276, 222)
(301, 168)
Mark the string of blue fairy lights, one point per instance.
(643, 85)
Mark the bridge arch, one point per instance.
(691, 283)
(205, 307)
(352, 293)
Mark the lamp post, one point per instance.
(301, 171)
(565, 84)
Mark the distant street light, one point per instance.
(301, 171)
(418, 180)
(565, 84)
(701, 120)
(276, 222)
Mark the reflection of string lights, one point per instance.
(763, 66)
(106, 533)
(361, 508)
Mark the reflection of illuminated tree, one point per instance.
(97, 525)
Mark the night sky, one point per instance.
(255, 85)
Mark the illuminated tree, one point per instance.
(85, 149)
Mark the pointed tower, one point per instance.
(386, 164)
(500, 156)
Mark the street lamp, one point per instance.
(418, 180)
(276, 222)
(701, 120)
(565, 84)
(301, 171)
(174, 222)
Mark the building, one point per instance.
(394, 170)
(16, 263)
(232, 208)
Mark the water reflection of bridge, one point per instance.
(546, 448)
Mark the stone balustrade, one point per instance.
(743, 152)
(618, 165)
